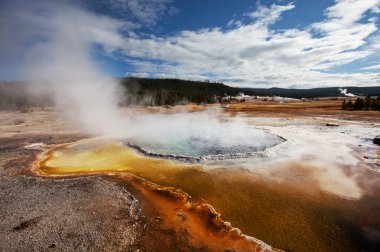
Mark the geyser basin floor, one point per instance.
(195, 219)
(279, 201)
(289, 204)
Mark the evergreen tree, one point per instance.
(359, 104)
(349, 105)
(367, 102)
(344, 105)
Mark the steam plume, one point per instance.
(344, 92)
(54, 44)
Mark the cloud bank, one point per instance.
(249, 51)
(253, 53)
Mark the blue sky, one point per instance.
(247, 43)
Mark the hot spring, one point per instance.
(199, 135)
(220, 142)
(194, 139)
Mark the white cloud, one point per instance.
(374, 67)
(254, 54)
(345, 13)
(268, 16)
(245, 54)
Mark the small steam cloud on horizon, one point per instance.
(344, 92)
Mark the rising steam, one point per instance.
(344, 92)
(53, 45)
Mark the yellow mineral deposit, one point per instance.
(191, 198)
(111, 157)
(198, 219)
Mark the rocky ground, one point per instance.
(92, 213)
(86, 213)
(81, 214)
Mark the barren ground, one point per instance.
(101, 212)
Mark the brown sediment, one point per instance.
(198, 220)
(194, 221)
(281, 214)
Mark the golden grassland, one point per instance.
(322, 107)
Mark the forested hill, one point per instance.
(173, 91)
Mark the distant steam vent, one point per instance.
(344, 92)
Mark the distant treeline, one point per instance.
(158, 92)
(175, 91)
(368, 103)
(311, 93)
(23, 96)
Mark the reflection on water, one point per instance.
(276, 213)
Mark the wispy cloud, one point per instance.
(268, 16)
(374, 67)
(346, 13)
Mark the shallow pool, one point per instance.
(225, 138)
